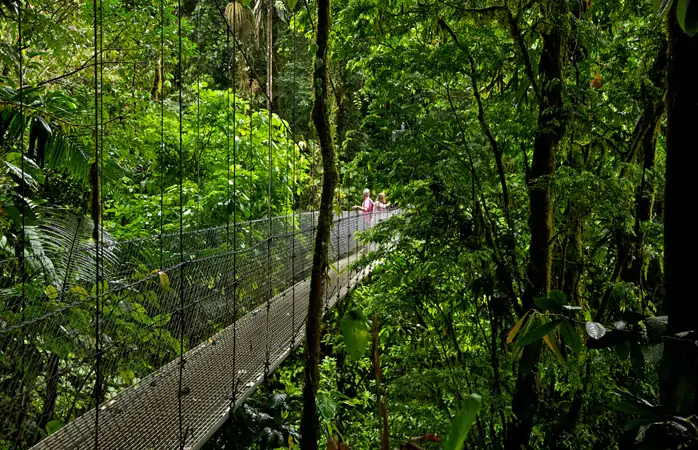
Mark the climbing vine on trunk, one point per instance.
(320, 114)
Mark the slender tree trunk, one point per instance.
(157, 78)
(493, 142)
(679, 365)
(51, 391)
(309, 422)
(573, 260)
(548, 135)
(515, 32)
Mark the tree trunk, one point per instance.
(309, 421)
(680, 242)
(644, 139)
(679, 366)
(493, 143)
(51, 391)
(548, 135)
(157, 78)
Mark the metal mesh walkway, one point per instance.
(239, 311)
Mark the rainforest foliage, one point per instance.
(542, 151)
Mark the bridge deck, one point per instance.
(146, 416)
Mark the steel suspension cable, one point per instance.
(96, 213)
(199, 149)
(181, 226)
(23, 233)
(270, 33)
(337, 228)
(235, 206)
(227, 141)
(162, 123)
(100, 260)
(292, 148)
(326, 290)
(253, 74)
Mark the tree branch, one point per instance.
(516, 35)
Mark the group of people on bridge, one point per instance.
(369, 206)
(372, 210)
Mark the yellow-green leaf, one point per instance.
(164, 281)
(81, 291)
(51, 292)
(537, 333)
(552, 343)
(515, 330)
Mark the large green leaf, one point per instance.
(687, 16)
(570, 336)
(656, 326)
(53, 426)
(633, 407)
(463, 421)
(355, 334)
(662, 6)
(552, 302)
(326, 406)
(595, 330)
(538, 332)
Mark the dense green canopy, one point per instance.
(526, 142)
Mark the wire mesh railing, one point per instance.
(222, 317)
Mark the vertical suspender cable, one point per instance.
(287, 215)
(270, 9)
(100, 241)
(181, 225)
(227, 143)
(101, 135)
(293, 188)
(162, 122)
(249, 162)
(95, 233)
(235, 206)
(22, 265)
(199, 149)
(337, 228)
(327, 272)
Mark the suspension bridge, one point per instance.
(239, 312)
(151, 343)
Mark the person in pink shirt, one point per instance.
(366, 205)
(366, 209)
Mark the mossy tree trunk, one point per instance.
(549, 132)
(320, 114)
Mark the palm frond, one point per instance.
(239, 17)
(258, 11)
(67, 240)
